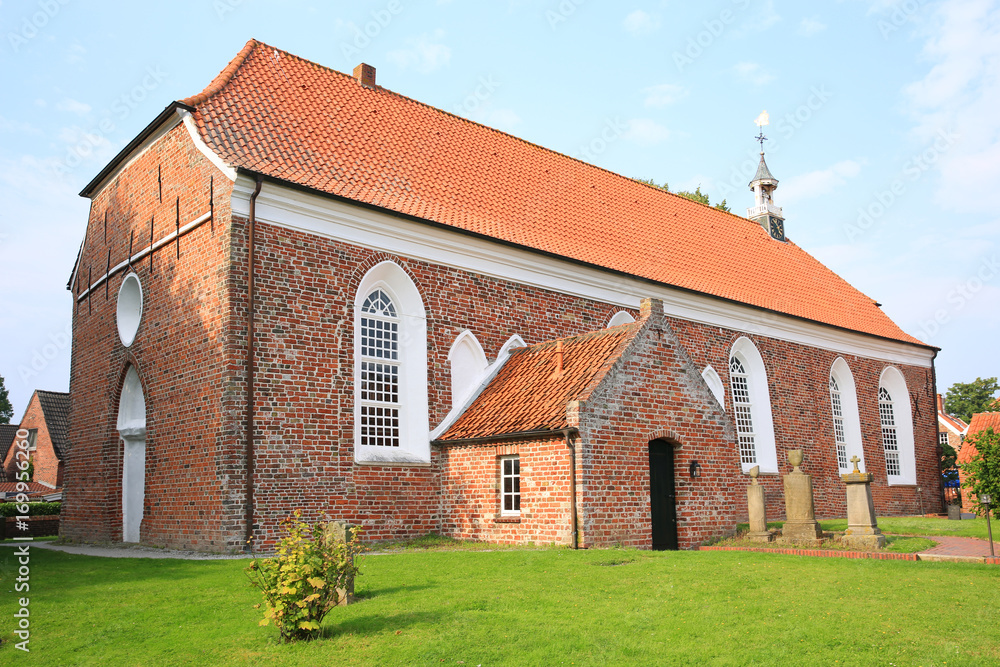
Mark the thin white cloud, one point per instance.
(73, 106)
(818, 183)
(810, 26)
(424, 53)
(646, 131)
(17, 127)
(753, 73)
(641, 23)
(664, 94)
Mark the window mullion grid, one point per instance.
(743, 409)
(837, 408)
(380, 369)
(890, 442)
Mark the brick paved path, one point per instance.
(961, 546)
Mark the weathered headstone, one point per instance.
(344, 532)
(800, 516)
(862, 528)
(758, 514)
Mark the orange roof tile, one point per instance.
(980, 422)
(528, 395)
(276, 114)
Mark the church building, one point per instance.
(298, 289)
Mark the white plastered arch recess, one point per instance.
(714, 382)
(760, 399)
(841, 372)
(468, 364)
(893, 381)
(621, 317)
(414, 432)
(132, 432)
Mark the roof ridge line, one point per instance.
(224, 77)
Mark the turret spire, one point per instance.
(764, 212)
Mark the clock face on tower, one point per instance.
(777, 228)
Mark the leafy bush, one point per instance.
(300, 584)
(34, 509)
(982, 471)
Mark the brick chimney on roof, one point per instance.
(365, 75)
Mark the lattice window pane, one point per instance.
(379, 378)
(890, 443)
(379, 426)
(838, 424)
(510, 473)
(943, 438)
(743, 411)
(379, 303)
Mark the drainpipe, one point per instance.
(572, 485)
(250, 358)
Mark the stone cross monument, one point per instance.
(755, 504)
(862, 528)
(800, 524)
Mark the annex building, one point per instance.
(299, 289)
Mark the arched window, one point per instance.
(390, 369)
(468, 365)
(752, 407)
(897, 428)
(846, 420)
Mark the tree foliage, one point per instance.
(6, 409)
(302, 583)
(982, 471)
(967, 398)
(697, 195)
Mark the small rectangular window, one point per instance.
(943, 438)
(510, 486)
(32, 439)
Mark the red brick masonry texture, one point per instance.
(190, 351)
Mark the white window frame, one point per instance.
(414, 432)
(943, 440)
(515, 493)
(894, 384)
(760, 406)
(851, 416)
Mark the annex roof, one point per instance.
(980, 422)
(287, 118)
(7, 434)
(55, 408)
(528, 394)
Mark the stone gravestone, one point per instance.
(800, 517)
(758, 515)
(342, 531)
(862, 528)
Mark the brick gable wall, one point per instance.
(48, 468)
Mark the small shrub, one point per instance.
(300, 584)
(34, 509)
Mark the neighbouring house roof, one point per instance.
(284, 117)
(7, 434)
(980, 422)
(55, 408)
(10, 489)
(528, 395)
(953, 423)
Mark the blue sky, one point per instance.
(884, 132)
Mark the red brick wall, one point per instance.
(178, 352)
(470, 493)
(48, 468)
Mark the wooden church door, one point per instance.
(662, 496)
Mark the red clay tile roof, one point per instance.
(527, 395)
(980, 422)
(276, 114)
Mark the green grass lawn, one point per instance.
(919, 525)
(520, 607)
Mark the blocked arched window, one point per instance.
(621, 317)
(131, 424)
(896, 420)
(715, 385)
(390, 369)
(468, 364)
(846, 419)
(752, 407)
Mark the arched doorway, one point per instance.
(662, 496)
(132, 432)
